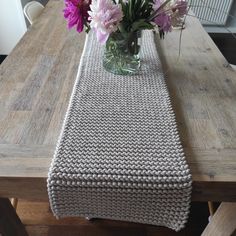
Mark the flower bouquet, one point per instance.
(118, 25)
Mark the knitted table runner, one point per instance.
(119, 155)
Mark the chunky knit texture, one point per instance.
(119, 155)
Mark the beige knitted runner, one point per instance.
(119, 154)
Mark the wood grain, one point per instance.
(36, 81)
(223, 223)
(202, 86)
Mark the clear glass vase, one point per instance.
(121, 54)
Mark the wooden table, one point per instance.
(36, 81)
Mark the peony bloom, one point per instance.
(156, 4)
(179, 9)
(181, 6)
(170, 14)
(105, 17)
(163, 20)
(76, 12)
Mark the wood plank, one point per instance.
(36, 81)
(214, 191)
(10, 224)
(84, 231)
(36, 189)
(223, 222)
(202, 87)
(38, 218)
(26, 188)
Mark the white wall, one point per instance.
(12, 25)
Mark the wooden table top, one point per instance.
(36, 81)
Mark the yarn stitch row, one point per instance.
(119, 154)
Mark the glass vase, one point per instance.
(121, 54)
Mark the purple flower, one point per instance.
(163, 20)
(105, 17)
(169, 13)
(76, 12)
(156, 4)
(181, 7)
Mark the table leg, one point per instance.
(14, 202)
(211, 208)
(223, 222)
(10, 223)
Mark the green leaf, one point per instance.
(155, 13)
(141, 25)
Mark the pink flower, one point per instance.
(163, 20)
(76, 12)
(105, 17)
